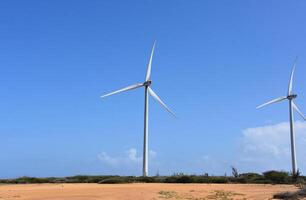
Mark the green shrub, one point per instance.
(171, 179)
(25, 179)
(143, 179)
(218, 179)
(251, 178)
(184, 179)
(250, 175)
(114, 180)
(277, 176)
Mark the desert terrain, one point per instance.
(140, 191)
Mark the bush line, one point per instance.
(269, 177)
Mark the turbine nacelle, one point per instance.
(292, 96)
(147, 83)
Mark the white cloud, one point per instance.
(132, 155)
(107, 159)
(152, 154)
(268, 147)
(130, 158)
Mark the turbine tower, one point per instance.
(148, 91)
(292, 106)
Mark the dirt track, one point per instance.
(140, 191)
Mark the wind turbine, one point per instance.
(292, 106)
(148, 91)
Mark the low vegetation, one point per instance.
(269, 177)
(300, 194)
(215, 195)
(225, 195)
(168, 195)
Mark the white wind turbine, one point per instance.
(290, 96)
(148, 90)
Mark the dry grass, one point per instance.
(215, 195)
(226, 195)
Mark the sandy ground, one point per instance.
(140, 191)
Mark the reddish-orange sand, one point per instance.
(140, 191)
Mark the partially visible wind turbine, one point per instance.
(148, 90)
(290, 96)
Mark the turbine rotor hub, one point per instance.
(292, 96)
(147, 83)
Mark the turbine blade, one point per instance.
(156, 97)
(272, 101)
(148, 75)
(298, 110)
(291, 77)
(131, 87)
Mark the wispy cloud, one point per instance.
(152, 154)
(129, 158)
(104, 157)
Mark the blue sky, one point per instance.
(215, 61)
